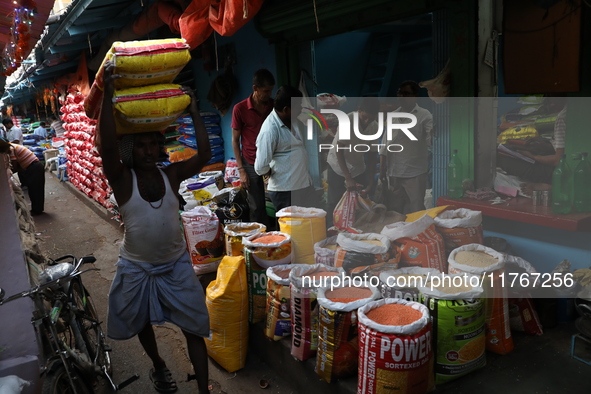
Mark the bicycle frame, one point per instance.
(64, 322)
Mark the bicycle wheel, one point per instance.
(58, 382)
(90, 327)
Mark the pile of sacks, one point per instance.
(84, 164)
(145, 99)
(183, 144)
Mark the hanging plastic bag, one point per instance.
(438, 87)
(194, 23)
(228, 16)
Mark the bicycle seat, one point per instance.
(55, 272)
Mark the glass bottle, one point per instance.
(561, 187)
(455, 189)
(582, 185)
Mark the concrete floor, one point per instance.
(69, 226)
(539, 364)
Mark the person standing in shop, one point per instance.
(406, 171)
(155, 281)
(41, 131)
(14, 134)
(247, 118)
(57, 126)
(31, 174)
(346, 167)
(281, 154)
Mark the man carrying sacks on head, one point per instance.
(155, 281)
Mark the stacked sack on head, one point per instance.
(145, 99)
(84, 166)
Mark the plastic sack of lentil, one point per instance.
(420, 244)
(459, 227)
(395, 350)
(338, 348)
(304, 282)
(325, 250)
(488, 263)
(261, 251)
(358, 252)
(404, 282)
(457, 315)
(235, 232)
(278, 309)
(306, 227)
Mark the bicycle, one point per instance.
(73, 344)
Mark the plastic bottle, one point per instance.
(582, 185)
(455, 189)
(561, 187)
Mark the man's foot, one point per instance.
(163, 381)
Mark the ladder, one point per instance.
(380, 64)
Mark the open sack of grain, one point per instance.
(459, 227)
(306, 226)
(457, 315)
(338, 348)
(360, 253)
(236, 232)
(487, 263)
(304, 283)
(395, 348)
(261, 251)
(278, 307)
(325, 251)
(404, 282)
(420, 243)
(140, 63)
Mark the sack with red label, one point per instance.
(459, 227)
(420, 244)
(346, 211)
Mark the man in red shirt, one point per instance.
(31, 173)
(247, 118)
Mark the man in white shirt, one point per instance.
(347, 168)
(41, 131)
(281, 154)
(14, 134)
(407, 170)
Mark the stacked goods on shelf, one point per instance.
(214, 131)
(84, 166)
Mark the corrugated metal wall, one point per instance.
(441, 140)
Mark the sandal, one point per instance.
(163, 381)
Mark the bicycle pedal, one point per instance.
(107, 348)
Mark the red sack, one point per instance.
(344, 212)
(194, 23)
(228, 16)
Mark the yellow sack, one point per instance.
(306, 226)
(140, 63)
(517, 133)
(227, 303)
(147, 62)
(148, 108)
(433, 212)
